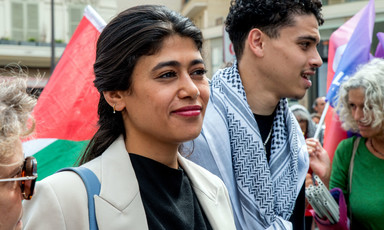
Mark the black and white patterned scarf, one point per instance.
(263, 194)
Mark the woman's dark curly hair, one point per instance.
(267, 15)
(136, 32)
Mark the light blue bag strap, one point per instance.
(92, 185)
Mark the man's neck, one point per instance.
(261, 100)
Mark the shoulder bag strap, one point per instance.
(350, 172)
(92, 185)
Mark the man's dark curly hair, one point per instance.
(267, 15)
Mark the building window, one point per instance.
(75, 13)
(216, 54)
(25, 21)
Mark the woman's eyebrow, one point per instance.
(175, 63)
(197, 61)
(164, 64)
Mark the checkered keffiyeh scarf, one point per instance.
(266, 192)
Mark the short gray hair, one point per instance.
(16, 106)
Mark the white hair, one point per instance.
(370, 78)
(16, 106)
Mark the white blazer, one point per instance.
(60, 200)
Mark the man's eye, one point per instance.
(305, 44)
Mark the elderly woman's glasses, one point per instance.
(27, 178)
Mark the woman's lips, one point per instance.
(188, 111)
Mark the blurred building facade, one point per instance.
(26, 34)
(25, 29)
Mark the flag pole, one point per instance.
(53, 56)
(321, 122)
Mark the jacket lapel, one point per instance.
(210, 192)
(119, 205)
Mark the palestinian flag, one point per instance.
(66, 111)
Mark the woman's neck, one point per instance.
(376, 146)
(163, 153)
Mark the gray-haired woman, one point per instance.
(17, 175)
(361, 109)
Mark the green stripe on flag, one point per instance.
(59, 154)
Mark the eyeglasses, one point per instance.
(27, 178)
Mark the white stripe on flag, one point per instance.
(33, 146)
(96, 20)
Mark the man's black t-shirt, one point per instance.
(265, 124)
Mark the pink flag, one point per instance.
(353, 39)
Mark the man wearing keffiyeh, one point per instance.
(250, 138)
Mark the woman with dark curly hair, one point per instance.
(250, 138)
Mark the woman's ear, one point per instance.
(255, 42)
(115, 99)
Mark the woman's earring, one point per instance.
(114, 110)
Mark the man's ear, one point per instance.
(115, 99)
(255, 42)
